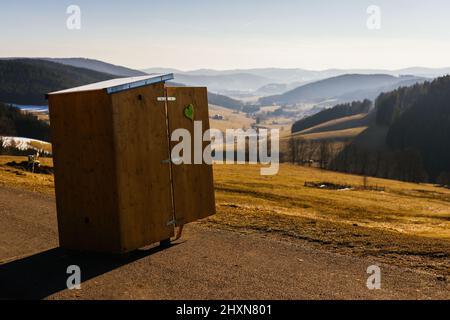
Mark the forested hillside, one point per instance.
(391, 105)
(224, 101)
(26, 81)
(339, 111)
(416, 146)
(13, 122)
(216, 99)
(420, 120)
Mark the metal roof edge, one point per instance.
(140, 83)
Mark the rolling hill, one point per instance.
(339, 111)
(343, 88)
(224, 101)
(13, 122)
(216, 99)
(121, 71)
(224, 83)
(98, 66)
(405, 137)
(281, 80)
(356, 121)
(26, 81)
(289, 75)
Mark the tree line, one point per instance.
(416, 147)
(14, 122)
(418, 118)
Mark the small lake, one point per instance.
(32, 108)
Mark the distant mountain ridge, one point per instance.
(222, 83)
(343, 88)
(294, 77)
(216, 99)
(286, 75)
(25, 81)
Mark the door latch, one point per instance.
(163, 99)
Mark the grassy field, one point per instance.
(333, 135)
(406, 224)
(12, 177)
(338, 124)
(339, 129)
(232, 120)
(239, 120)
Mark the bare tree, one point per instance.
(292, 150)
(324, 153)
(444, 179)
(302, 147)
(312, 151)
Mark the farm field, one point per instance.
(232, 120)
(340, 129)
(239, 120)
(406, 225)
(12, 177)
(334, 135)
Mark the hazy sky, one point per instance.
(228, 34)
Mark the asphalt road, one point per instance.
(205, 264)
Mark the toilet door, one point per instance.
(142, 153)
(193, 188)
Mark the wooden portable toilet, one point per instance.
(116, 188)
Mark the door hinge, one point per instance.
(163, 99)
(175, 222)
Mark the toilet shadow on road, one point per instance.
(45, 273)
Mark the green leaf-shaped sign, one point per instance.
(189, 112)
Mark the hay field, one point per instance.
(407, 224)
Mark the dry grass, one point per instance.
(407, 224)
(333, 135)
(12, 177)
(334, 123)
(232, 120)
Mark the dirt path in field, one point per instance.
(206, 264)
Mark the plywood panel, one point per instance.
(193, 186)
(83, 148)
(143, 178)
